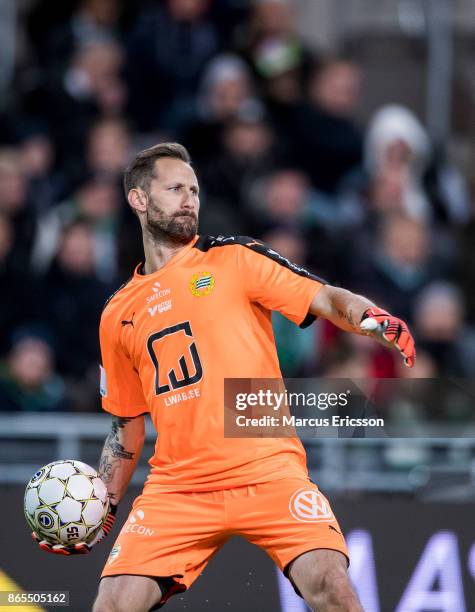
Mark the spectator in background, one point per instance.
(355, 357)
(225, 91)
(426, 367)
(89, 88)
(346, 359)
(248, 152)
(281, 200)
(296, 347)
(281, 62)
(285, 199)
(14, 202)
(281, 68)
(74, 297)
(271, 21)
(28, 381)
(441, 331)
(15, 285)
(327, 142)
(46, 184)
(401, 263)
(448, 191)
(108, 149)
(97, 202)
(57, 39)
(168, 48)
(12, 183)
(396, 154)
(429, 395)
(401, 174)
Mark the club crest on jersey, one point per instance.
(201, 283)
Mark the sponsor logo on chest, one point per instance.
(154, 305)
(160, 307)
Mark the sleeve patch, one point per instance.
(103, 382)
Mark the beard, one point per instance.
(178, 228)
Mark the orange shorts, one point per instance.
(176, 534)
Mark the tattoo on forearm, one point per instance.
(347, 315)
(112, 440)
(106, 468)
(113, 452)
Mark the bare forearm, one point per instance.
(343, 308)
(120, 455)
(348, 309)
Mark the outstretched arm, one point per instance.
(120, 454)
(343, 308)
(355, 313)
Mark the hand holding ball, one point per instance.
(67, 507)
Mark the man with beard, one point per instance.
(198, 311)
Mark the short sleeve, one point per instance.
(120, 386)
(278, 284)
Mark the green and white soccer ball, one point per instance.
(66, 502)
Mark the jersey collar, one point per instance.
(140, 276)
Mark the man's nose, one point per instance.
(187, 201)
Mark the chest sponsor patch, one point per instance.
(161, 307)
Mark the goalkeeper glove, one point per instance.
(390, 331)
(80, 548)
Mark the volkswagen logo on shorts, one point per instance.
(45, 520)
(310, 506)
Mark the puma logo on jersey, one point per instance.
(126, 322)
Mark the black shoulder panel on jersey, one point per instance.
(116, 292)
(204, 243)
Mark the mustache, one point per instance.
(190, 214)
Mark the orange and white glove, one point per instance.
(80, 548)
(390, 331)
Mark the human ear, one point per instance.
(138, 200)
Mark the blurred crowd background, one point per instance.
(308, 125)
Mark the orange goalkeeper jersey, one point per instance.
(170, 338)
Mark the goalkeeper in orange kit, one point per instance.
(196, 312)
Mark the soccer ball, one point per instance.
(66, 502)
